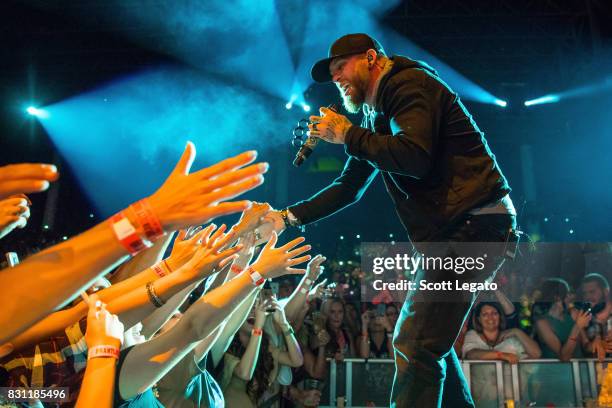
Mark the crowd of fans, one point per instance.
(106, 315)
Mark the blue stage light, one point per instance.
(542, 100)
(39, 113)
(289, 104)
(501, 103)
(306, 107)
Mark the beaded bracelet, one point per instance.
(156, 300)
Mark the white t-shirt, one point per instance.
(473, 341)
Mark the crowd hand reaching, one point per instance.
(314, 267)
(248, 242)
(192, 199)
(251, 218)
(26, 178)
(272, 221)
(185, 245)
(274, 262)
(319, 290)
(210, 255)
(14, 213)
(103, 327)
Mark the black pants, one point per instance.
(428, 373)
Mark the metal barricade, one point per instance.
(542, 382)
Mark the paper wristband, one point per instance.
(256, 277)
(103, 351)
(126, 234)
(161, 269)
(147, 218)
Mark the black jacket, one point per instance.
(434, 160)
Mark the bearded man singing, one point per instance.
(443, 179)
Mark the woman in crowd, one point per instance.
(341, 342)
(490, 340)
(251, 365)
(559, 328)
(376, 340)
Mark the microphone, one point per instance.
(309, 144)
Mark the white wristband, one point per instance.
(256, 277)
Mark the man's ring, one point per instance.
(314, 126)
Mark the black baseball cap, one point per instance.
(346, 45)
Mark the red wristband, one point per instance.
(499, 355)
(572, 338)
(126, 234)
(236, 269)
(257, 332)
(256, 277)
(161, 268)
(148, 220)
(103, 351)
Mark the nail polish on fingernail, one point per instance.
(264, 166)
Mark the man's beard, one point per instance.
(353, 102)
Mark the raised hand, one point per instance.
(192, 199)
(210, 255)
(314, 268)
(279, 312)
(251, 218)
(187, 242)
(274, 262)
(318, 291)
(261, 311)
(103, 327)
(14, 213)
(272, 221)
(26, 178)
